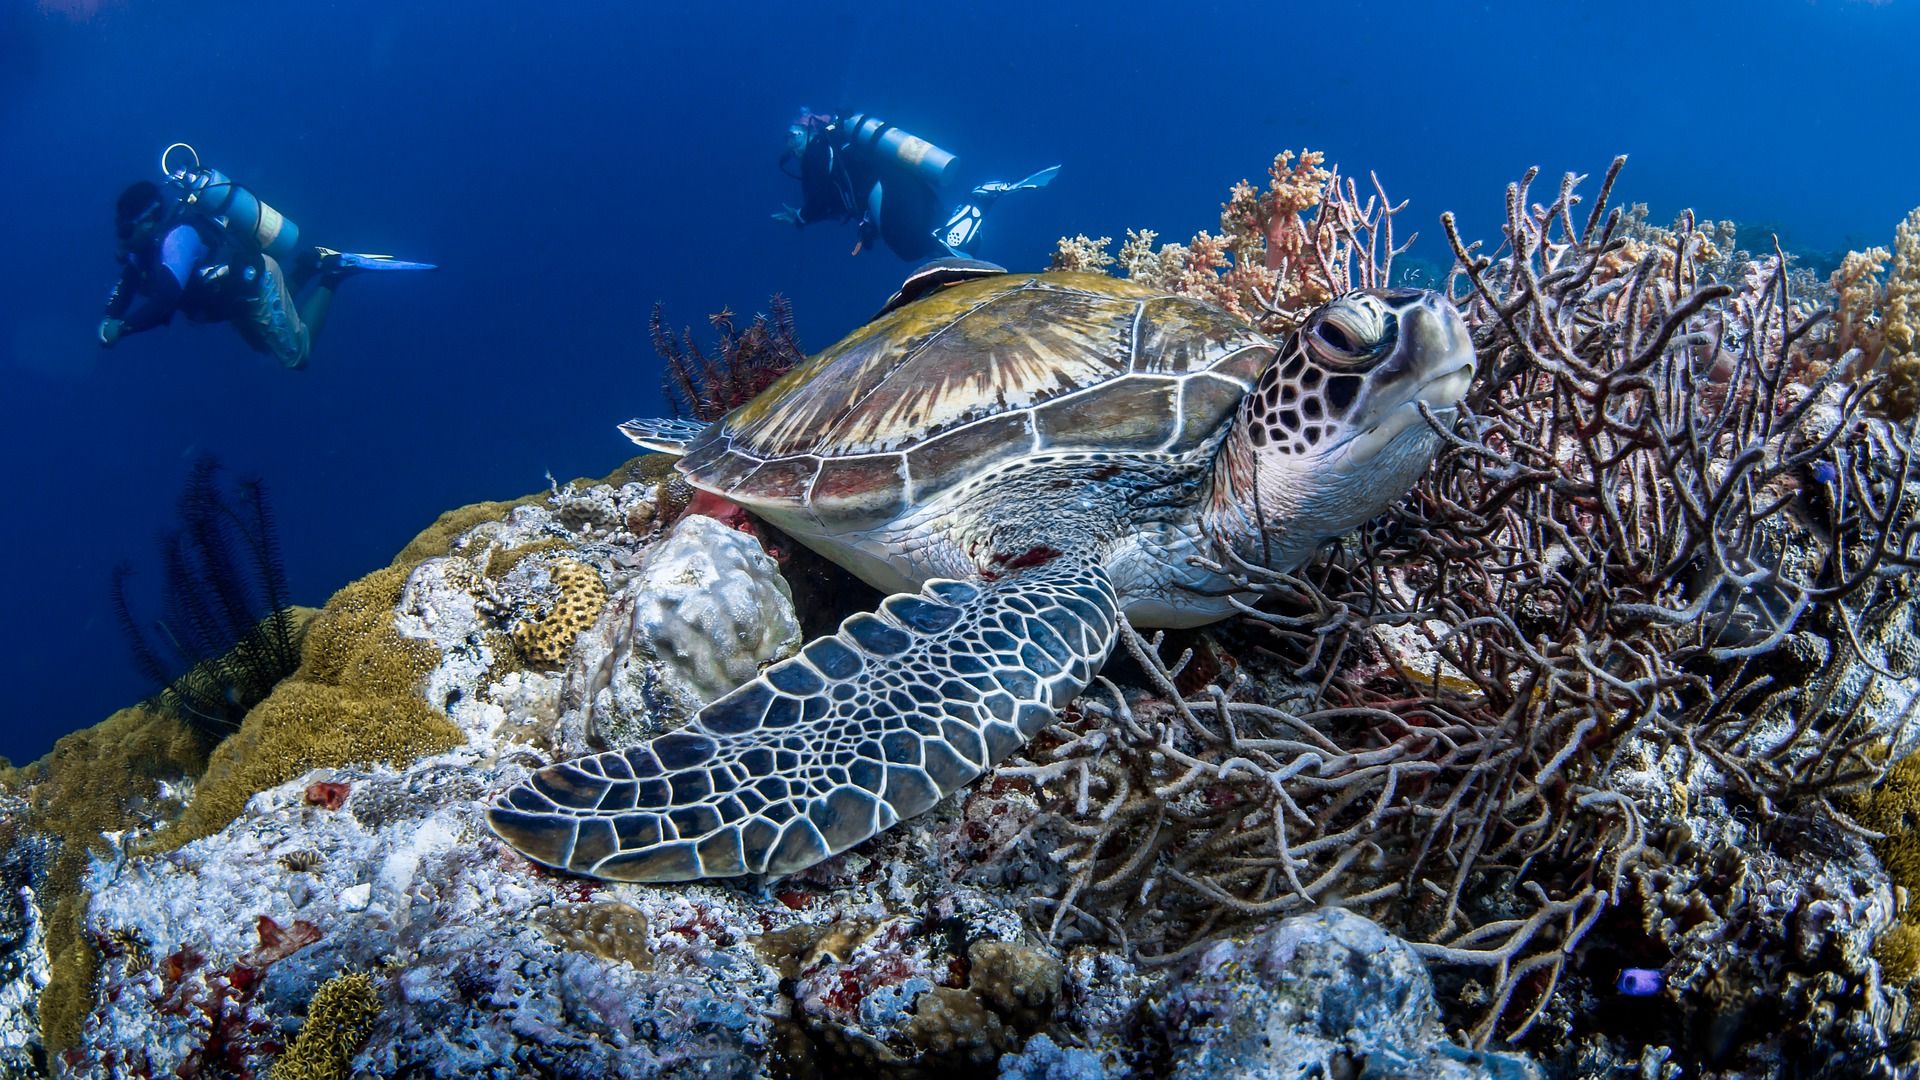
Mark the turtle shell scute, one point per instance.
(976, 376)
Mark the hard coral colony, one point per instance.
(1605, 723)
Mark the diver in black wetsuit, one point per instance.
(858, 167)
(206, 248)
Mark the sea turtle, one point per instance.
(1020, 459)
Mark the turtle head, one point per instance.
(1333, 433)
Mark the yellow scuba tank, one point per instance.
(884, 142)
(244, 216)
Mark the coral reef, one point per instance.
(1576, 764)
(1280, 252)
(95, 794)
(1876, 323)
(1661, 579)
(355, 699)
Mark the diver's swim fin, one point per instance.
(1001, 187)
(339, 264)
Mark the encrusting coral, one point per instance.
(611, 931)
(580, 594)
(338, 1022)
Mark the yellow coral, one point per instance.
(549, 638)
(1898, 951)
(355, 700)
(1881, 318)
(339, 1019)
(437, 538)
(1892, 809)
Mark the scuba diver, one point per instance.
(205, 247)
(859, 167)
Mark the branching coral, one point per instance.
(1641, 533)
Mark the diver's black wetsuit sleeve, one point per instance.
(124, 290)
(157, 304)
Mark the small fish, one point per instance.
(1639, 982)
(1824, 472)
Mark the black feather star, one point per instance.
(705, 385)
(227, 634)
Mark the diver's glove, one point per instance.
(789, 215)
(110, 331)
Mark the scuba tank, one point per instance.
(239, 212)
(882, 142)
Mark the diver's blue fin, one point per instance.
(341, 263)
(666, 436)
(1001, 187)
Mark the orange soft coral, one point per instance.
(1279, 252)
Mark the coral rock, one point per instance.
(707, 611)
(1322, 994)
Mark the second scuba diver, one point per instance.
(858, 167)
(207, 248)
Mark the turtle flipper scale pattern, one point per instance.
(865, 727)
(666, 436)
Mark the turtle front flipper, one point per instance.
(665, 436)
(865, 727)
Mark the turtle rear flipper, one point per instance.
(666, 436)
(870, 725)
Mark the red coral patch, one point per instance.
(325, 793)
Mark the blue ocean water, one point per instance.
(572, 164)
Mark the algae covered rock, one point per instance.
(1326, 994)
(707, 611)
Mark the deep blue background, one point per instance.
(571, 166)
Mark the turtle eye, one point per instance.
(1336, 339)
(1349, 332)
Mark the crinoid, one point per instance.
(226, 634)
(704, 385)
